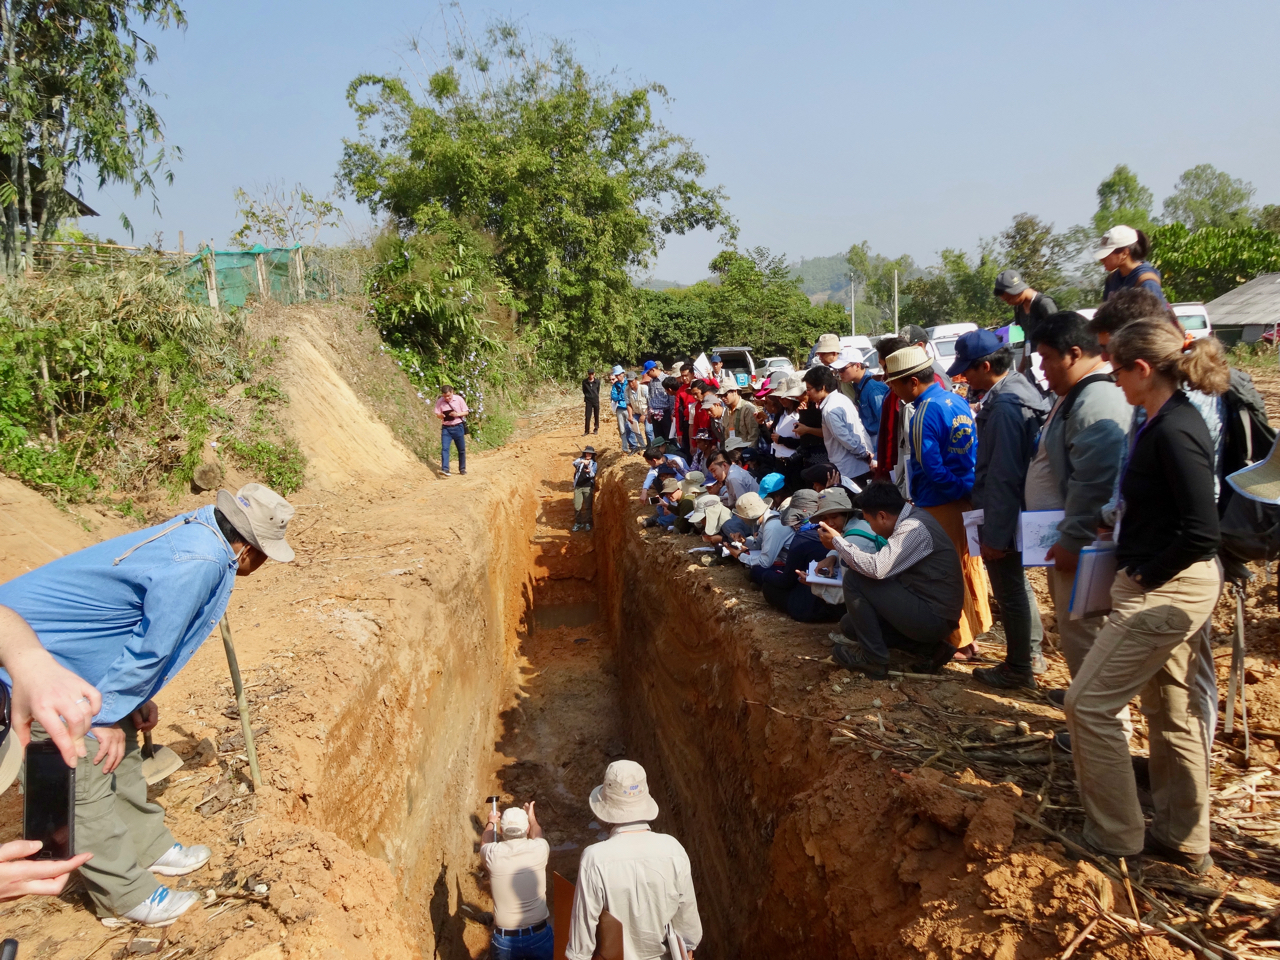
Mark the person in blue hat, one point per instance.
(1008, 422)
(717, 370)
(618, 398)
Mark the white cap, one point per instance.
(515, 823)
(1114, 239)
(847, 356)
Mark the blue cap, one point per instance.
(715, 358)
(649, 365)
(771, 483)
(972, 347)
(617, 369)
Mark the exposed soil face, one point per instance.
(438, 641)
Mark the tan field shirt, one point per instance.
(518, 876)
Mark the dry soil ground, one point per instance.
(440, 640)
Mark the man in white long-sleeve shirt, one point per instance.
(909, 594)
(642, 878)
(848, 446)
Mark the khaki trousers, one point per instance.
(1149, 645)
(119, 826)
(1076, 637)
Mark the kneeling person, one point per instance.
(909, 594)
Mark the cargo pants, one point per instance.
(117, 824)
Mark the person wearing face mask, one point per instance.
(125, 616)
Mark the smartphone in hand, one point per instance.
(48, 801)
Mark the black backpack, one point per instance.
(1250, 529)
(1249, 435)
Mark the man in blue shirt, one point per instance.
(618, 398)
(126, 615)
(943, 449)
(864, 390)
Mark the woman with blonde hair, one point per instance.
(1167, 582)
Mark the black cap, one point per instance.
(914, 334)
(1010, 282)
(590, 450)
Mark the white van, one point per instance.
(944, 337)
(1193, 316)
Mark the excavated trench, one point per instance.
(539, 657)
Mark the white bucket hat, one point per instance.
(260, 515)
(515, 823)
(827, 343)
(624, 795)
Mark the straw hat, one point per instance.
(624, 795)
(1262, 480)
(906, 362)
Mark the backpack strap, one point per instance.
(1148, 275)
(1069, 401)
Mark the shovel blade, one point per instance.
(160, 764)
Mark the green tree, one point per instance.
(1269, 218)
(278, 218)
(958, 290)
(874, 275)
(1123, 199)
(574, 179)
(1205, 264)
(73, 98)
(1030, 246)
(1207, 197)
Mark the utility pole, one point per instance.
(853, 307)
(895, 303)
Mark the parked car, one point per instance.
(944, 337)
(739, 363)
(1194, 318)
(779, 365)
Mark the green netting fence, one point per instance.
(221, 278)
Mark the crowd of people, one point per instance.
(859, 500)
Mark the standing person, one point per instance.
(891, 450)
(1008, 422)
(660, 403)
(641, 877)
(517, 866)
(1076, 465)
(739, 419)
(847, 443)
(126, 615)
(618, 401)
(584, 488)
(452, 411)
(943, 456)
(866, 392)
(826, 349)
(1030, 307)
(918, 336)
(638, 407)
(908, 594)
(591, 399)
(1123, 252)
(1167, 584)
(717, 371)
(685, 399)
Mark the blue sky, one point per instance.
(914, 125)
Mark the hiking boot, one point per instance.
(1062, 740)
(178, 860)
(1005, 677)
(851, 656)
(1039, 665)
(586, 527)
(576, 528)
(1133, 861)
(158, 910)
(1058, 698)
(1197, 863)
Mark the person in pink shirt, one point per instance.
(452, 411)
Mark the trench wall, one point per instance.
(408, 755)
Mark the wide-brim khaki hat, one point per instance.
(735, 443)
(624, 796)
(261, 516)
(1260, 481)
(907, 362)
(694, 482)
(827, 343)
(750, 506)
(832, 500)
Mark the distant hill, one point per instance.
(823, 275)
(655, 284)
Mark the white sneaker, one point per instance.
(178, 860)
(158, 910)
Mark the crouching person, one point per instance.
(642, 878)
(517, 866)
(125, 616)
(909, 594)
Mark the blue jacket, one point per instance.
(871, 394)
(944, 448)
(129, 627)
(618, 395)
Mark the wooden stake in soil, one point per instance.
(241, 703)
